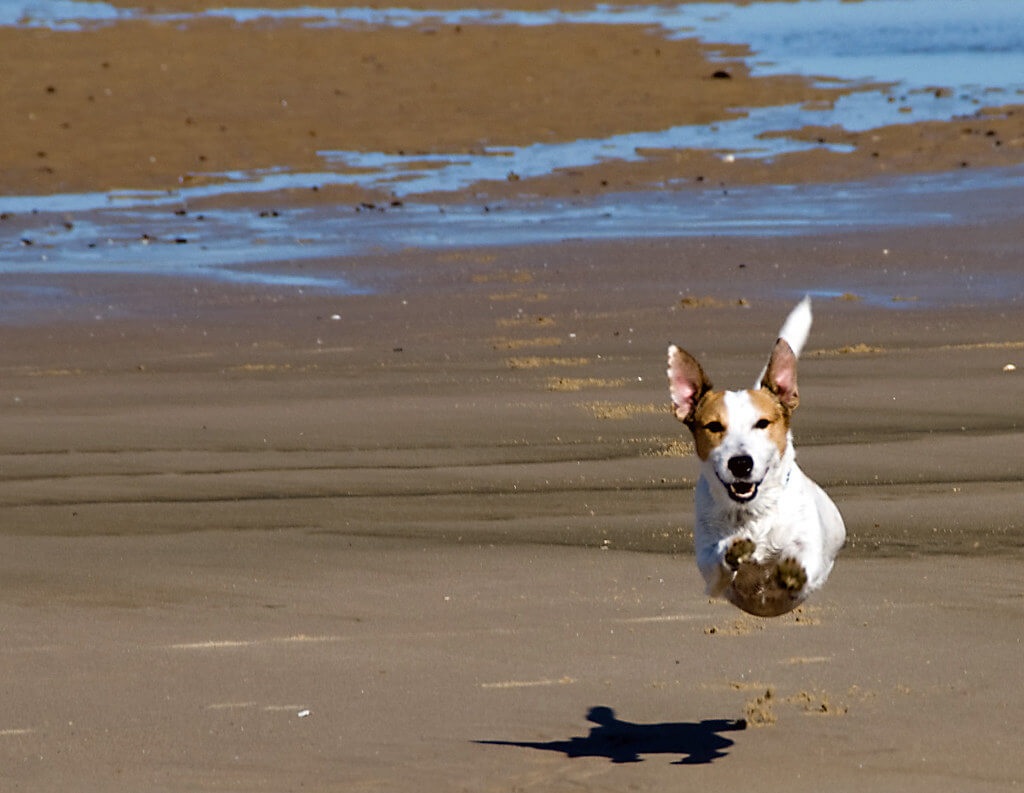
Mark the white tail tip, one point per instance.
(795, 331)
(797, 326)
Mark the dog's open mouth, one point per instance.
(741, 491)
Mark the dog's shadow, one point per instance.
(625, 742)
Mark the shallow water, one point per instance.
(259, 246)
(404, 176)
(891, 54)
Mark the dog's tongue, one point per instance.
(742, 488)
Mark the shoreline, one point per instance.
(321, 249)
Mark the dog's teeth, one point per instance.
(742, 491)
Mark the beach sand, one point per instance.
(437, 521)
(140, 105)
(437, 537)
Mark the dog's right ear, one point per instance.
(687, 383)
(780, 375)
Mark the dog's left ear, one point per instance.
(687, 383)
(780, 376)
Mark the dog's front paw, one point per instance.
(790, 574)
(741, 550)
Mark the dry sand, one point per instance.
(247, 546)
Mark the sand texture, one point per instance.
(143, 105)
(435, 534)
(405, 523)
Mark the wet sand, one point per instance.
(261, 538)
(227, 661)
(142, 105)
(460, 514)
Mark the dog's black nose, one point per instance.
(741, 465)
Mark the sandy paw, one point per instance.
(741, 550)
(791, 575)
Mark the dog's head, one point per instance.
(740, 435)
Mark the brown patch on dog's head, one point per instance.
(710, 423)
(705, 411)
(773, 417)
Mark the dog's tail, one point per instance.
(797, 326)
(795, 330)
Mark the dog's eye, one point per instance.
(714, 426)
(762, 424)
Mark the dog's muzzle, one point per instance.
(740, 489)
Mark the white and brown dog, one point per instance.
(766, 535)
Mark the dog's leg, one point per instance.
(741, 550)
(790, 575)
(719, 564)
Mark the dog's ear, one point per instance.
(780, 375)
(687, 383)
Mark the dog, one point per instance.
(766, 536)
